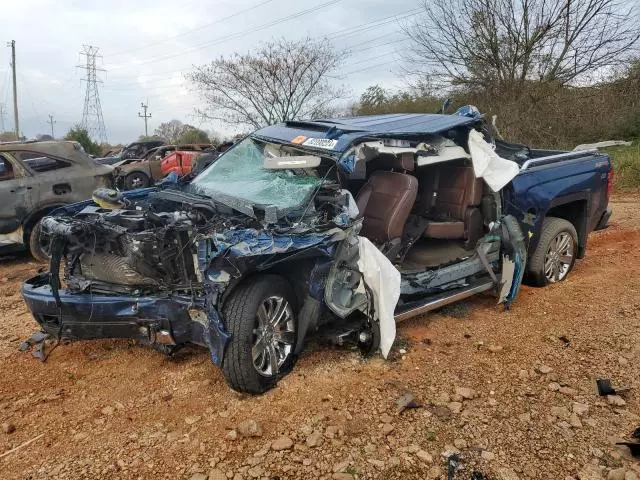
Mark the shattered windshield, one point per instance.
(240, 173)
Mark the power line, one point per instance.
(202, 27)
(234, 36)
(381, 22)
(92, 120)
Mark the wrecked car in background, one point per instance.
(345, 225)
(142, 172)
(35, 179)
(132, 150)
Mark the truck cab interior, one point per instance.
(424, 215)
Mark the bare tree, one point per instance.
(172, 130)
(505, 43)
(282, 80)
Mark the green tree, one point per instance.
(80, 135)
(193, 135)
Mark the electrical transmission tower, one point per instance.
(92, 120)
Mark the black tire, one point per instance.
(36, 245)
(241, 314)
(136, 180)
(552, 228)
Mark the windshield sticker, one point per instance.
(325, 143)
(299, 139)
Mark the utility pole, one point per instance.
(12, 44)
(145, 116)
(51, 121)
(3, 113)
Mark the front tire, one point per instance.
(555, 254)
(261, 318)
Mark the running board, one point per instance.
(445, 298)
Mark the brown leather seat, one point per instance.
(452, 209)
(385, 201)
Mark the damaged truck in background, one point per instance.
(345, 225)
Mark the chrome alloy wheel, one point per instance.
(274, 336)
(559, 257)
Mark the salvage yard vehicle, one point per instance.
(143, 172)
(338, 226)
(35, 179)
(133, 150)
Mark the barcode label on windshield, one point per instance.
(325, 143)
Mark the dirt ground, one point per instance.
(512, 391)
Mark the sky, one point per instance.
(148, 45)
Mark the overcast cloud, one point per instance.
(148, 45)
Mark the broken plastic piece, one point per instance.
(605, 388)
(633, 446)
(453, 461)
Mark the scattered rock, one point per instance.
(460, 443)
(165, 395)
(507, 474)
(282, 443)
(616, 400)
(568, 391)
(255, 472)
(387, 428)
(78, 437)
(250, 428)
(386, 418)
(342, 476)
(192, 419)
(466, 393)
(630, 475)
(495, 348)
(590, 472)
(402, 351)
(554, 386)
(217, 474)
(525, 417)
(623, 361)
(331, 431)
(574, 421)
(617, 474)
(560, 412)
(198, 476)
(455, 407)
(487, 455)
(379, 464)
(424, 456)
(492, 402)
(404, 401)
(231, 435)
(108, 410)
(314, 440)
(543, 369)
(580, 409)
(8, 427)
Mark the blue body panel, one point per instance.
(535, 191)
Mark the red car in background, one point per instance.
(180, 162)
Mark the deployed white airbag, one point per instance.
(384, 281)
(487, 164)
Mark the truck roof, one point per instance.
(347, 129)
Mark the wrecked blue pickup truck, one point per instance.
(345, 225)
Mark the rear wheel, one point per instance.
(260, 316)
(555, 254)
(136, 180)
(37, 243)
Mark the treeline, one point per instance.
(543, 114)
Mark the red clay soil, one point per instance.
(114, 409)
